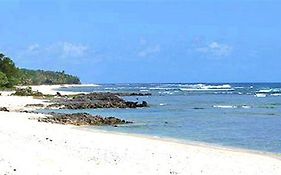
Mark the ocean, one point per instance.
(243, 115)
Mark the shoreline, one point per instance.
(53, 89)
(185, 142)
(32, 147)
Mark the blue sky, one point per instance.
(146, 41)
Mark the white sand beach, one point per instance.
(47, 89)
(28, 147)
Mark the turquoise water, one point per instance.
(223, 114)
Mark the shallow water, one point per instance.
(223, 114)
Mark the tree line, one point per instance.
(11, 75)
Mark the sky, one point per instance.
(145, 41)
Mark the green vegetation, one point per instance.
(10, 75)
(3, 80)
(9, 72)
(39, 77)
(27, 92)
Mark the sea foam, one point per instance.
(203, 87)
(225, 106)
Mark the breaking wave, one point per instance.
(203, 87)
(225, 106)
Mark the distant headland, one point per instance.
(11, 75)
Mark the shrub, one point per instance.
(3, 80)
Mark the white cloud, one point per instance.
(150, 50)
(67, 49)
(33, 48)
(143, 41)
(70, 49)
(216, 49)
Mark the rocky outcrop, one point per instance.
(84, 101)
(35, 105)
(133, 94)
(93, 101)
(89, 105)
(27, 92)
(80, 119)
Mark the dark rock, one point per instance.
(55, 105)
(197, 108)
(144, 104)
(27, 92)
(35, 105)
(25, 111)
(59, 94)
(4, 109)
(79, 119)
(134, 94)
(94, 100)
